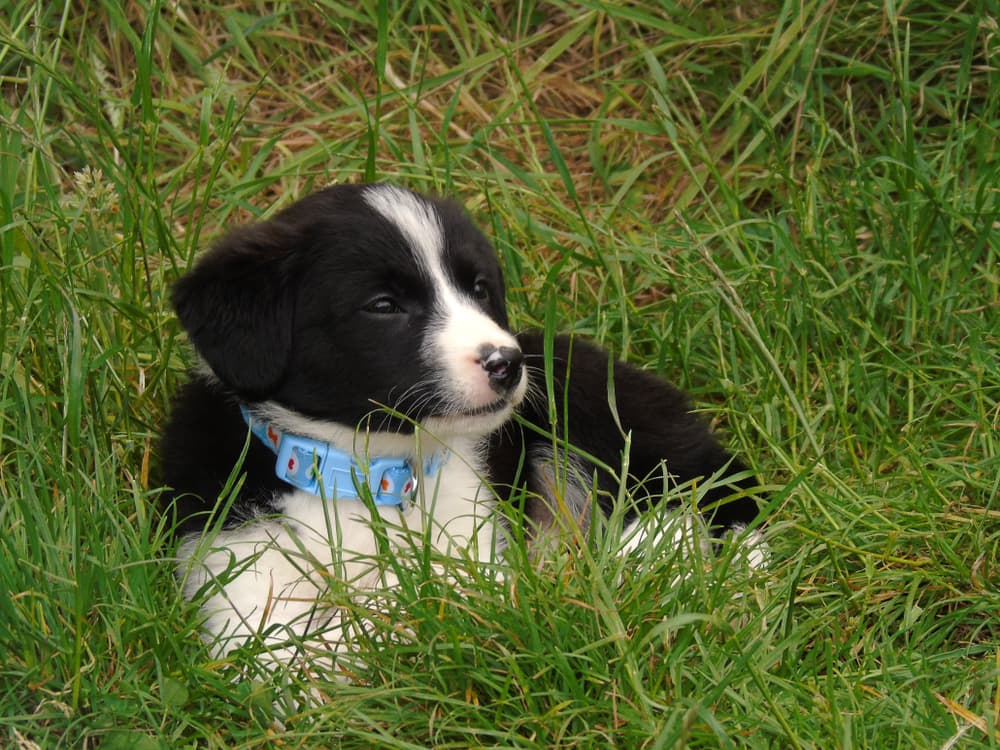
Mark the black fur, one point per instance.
(201, 447)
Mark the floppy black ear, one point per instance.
(237, 306)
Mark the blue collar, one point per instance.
(320, 469)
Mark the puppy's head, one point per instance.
(355, 298)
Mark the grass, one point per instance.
(790, 209)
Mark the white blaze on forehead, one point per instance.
(416, 219)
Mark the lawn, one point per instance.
(790, 209)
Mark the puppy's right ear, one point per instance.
(237, 306)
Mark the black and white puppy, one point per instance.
(356, 346)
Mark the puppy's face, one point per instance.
(355, 298)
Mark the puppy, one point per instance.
(355, 362)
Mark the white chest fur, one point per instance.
(269, 578)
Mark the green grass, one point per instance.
(789, 209)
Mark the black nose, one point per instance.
(503, 365)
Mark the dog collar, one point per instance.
(320, 469)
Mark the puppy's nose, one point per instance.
(502, 365)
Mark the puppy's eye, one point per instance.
(481, 290)
(383, 306)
